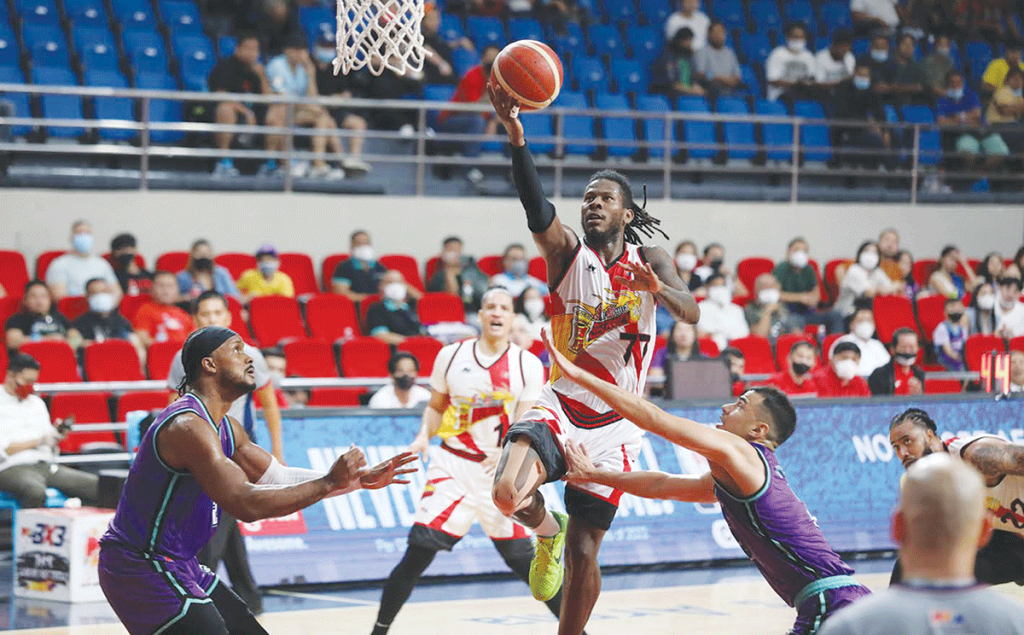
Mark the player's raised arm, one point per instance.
(660, 485)
(659, 276)
(995, 458)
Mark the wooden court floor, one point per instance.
(741, 605)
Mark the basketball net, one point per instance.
(379, 34)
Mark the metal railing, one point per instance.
(916, 157)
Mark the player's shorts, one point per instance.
(612, 446)
(816, 609)
(457, 494)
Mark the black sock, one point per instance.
(400, 584)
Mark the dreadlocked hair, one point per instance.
(642, 222)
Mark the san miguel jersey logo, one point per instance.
(1013, 516)
(615, 311)
(463, 413)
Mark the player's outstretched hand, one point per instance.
(568, 369)
(507, 110)
(348, 467)
(579, 467)
(388, 472)
(644, 278)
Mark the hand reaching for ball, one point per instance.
(507, 111)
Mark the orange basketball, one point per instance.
(530, 72)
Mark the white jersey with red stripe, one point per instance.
(1005, 501)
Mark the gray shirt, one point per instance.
(712, 62)
(913, 610)
(74, 271)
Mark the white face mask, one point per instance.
(720, 294)
(101, 302)
(768, 296)
(395, 291)
(868, 260)
(796, 45)
(534, 308)
(686, 262)
(363, 252)
(846, 369)
(864, 330)
(799, 259)
(986, 302)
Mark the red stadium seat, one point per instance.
(431, 267)
(56, 361)
(365, 357)
(407, 265)
(826, 346)
(931, 311)
(159, 358)
(1017, 344)
(310, 358)
(331, 317)
(145, 400)
(236, 262)
(336, 397)
(424, 349)
(817, 274)
(9, 305)
(112, 360)
(708, 347)
(749, 269)
(238, 324)
(3, 361)
(757, 352)
(44, 260)
(364, 308)
(130, 305)
(440, 307)
(275, 318)
(978, 345)
(832, 279)
(173, 261)
(923, 270)
(490, 265)
(72, 307)
(300, 268)
(539, 268)
(327, 269)
(786, 342)
(13, 272)
(89, 407)
(942, 386)
(893, 312)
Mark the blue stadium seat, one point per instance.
(84, 37)
(451, 27)
(124, 7)
(620, 132)
(615, 10)
(930, 140)
(860, 47)
(756, 47)
(187, 44)
(22, 106)
(119, 108)
(436, 92)
(979, 56)
(36, 34)
(86, 12)
(740, 141)
(181, 16)
(700, 135)
(485, 31)
(8, 50)
(51, 52)
(654, 128)
(800, 11)
(731, 13)
(161, 110)
(765, 14)
(656, 12)
(589, 74)
(147, 60)
(99, 57)
(571, 42)
(587, 8)
(59, 106)
(140, 17)
(751, 80)
(463, 60)
(525, 29)
(835, 15)
(226, 45)
(195, 68)
(605, 40)
(630, 76)
(578, 129)
(778, 137)
(645, 43)
(315, 20)
(538, 125)
(136, 40)
(40, 12)
(815, 138)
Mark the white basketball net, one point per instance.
(379, 34)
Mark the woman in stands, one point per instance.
(981, 315)
(864, 280)
(682, 345)
(990, 269)
(530, 304)
(38, 319)
(945, 281)
(906, 264)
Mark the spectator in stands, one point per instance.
(1006, 110)
(883, 72)
(203, 274)
(515, 274)
(766, 314)
(278, 24)
(531, 305)
(791, 69)
(798, 376)
(674, 73)
(277, 364)
(995, 74)
(836, 62)
(682, 346)
(393, 319)
(873, 353)
(908, 77)
(901, 375)
(735, 361)
(103, 321)
(800, 289)
(133, 279)
(68, 273)
(875, 16)
(720, 319)
(358, 276)
(862, 146)
(717, 67)
(990, 268)
(714, 262)
(910, 286)
(686, 264)
(1009, 310)
(888, 254)
(981, 315)
(459, 275)
(38, 319)
(1016, 371)
(267, 278)
(951, 335)
(976, 147)
(945, 280)
(29, 440)
(402, 392)
(864, 280)
(689, 17)
(242, 72)
(839, 378)
(160, 320)
(391, 85)
(439, 65)
(937, 65)
(471, 89)
(342, 85)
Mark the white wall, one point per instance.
(33, 221)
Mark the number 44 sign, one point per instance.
(995, 372)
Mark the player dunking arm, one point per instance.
(767, 519)
(604, 290)
(192, 461)
(914, 435)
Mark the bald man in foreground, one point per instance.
(940, 523)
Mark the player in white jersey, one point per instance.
(478, 387)
(604, 292)
(913, 435)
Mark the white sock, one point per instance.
(549, 526)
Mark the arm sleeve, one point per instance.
(438, 381)
(533, 371)
(540, 213)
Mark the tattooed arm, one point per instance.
(995, 458)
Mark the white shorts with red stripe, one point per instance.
(458, 493)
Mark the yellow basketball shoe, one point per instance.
(547, 568)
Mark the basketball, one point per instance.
(530, 72)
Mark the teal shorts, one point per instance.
(991, 145)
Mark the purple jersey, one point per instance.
(164, 511)
(778, 533)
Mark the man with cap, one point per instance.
(194, 460)
(267, 278)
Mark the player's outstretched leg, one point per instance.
(400, 585)
(582, 576)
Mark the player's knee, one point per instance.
(583, 549)
(504, 494)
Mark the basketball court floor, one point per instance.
(711, 601)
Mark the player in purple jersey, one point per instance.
(193, 461)
(767, 519)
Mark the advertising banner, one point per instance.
(56, 553)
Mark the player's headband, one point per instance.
(201, 344)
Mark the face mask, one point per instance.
(905, 359)
(269, 267)
(800, 369)
(862, 83)
(720, 294)
(880, 56)
(451, 257)
(868, 260)
(518, 268)
(799, 259)
(716, 264)
(986, 302)
(101, 302)
(325, 56)
(363, 252)
(955, 93)
(796, 45)
(942, 51)
(395, 291)
(123, 260)
(864, 330)
(534, 308)
(768, 296)
(846, 369)
(686, 262)
(404, 382)
(202, 264)
(955, 317)
(82, 243)
(23, 391)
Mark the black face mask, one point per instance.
(123, 260)
(404, 382)
(202, 264)
(715, 264)
(905, 357)
(955, 317)
(800, 369)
